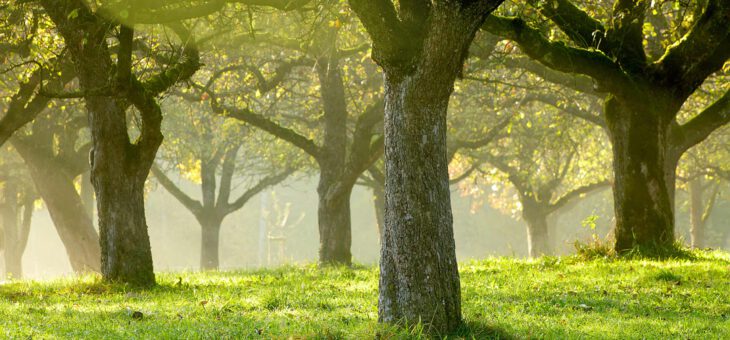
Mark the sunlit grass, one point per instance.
(508, 298)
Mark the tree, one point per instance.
(642, 98)
(340, 132)
(212, 149)
(55, 158)
(16, 210)
(119, 166)
(547, 165)
(421, 47)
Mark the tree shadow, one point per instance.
(473, 329)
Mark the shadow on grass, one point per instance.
(480, 330)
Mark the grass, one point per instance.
(550, 297)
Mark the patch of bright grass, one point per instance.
(549, 297)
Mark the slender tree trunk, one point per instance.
(696, 210)
(210, 245)
(538, 236)
(644, 178)
(379, 205)
(335, 235)
(13, 253)
(335, 230)
(68, 213)
(87, 194)
(125, 244)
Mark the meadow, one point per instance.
(503, 298)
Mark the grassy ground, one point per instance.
(502, 298)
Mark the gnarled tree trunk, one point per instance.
(644, 182)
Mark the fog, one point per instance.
(175, 234)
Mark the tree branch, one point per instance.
(701, 52)
(701, 126)
(563, 58)
(192, 205)
(577, 193)
(260, 186)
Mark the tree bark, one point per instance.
(419, 279)
(644, 169)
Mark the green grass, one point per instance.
(502, 298)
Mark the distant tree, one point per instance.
(550, 166)
(56, 155)
(16, 212)
(421, 47)
(643, 94)
(700, 174)
(319, 96)
(210, 151)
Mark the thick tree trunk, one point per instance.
(13, 250)
(538, 235)
(125, 244)
(644, 178)
(210, 245)
(335, 230)
(118, 177)
(696, 210)
(68, 213)
(419, 277)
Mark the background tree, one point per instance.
(208, 150)
(16, 213)
(302, 98)
(644, 94)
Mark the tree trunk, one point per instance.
(87, 194)
(644, 178)
(335, 230)
(335, 235)
(118, 176)
(13, 253)
(419, 277)
(210, 244)
(538, 235)
(696, 210)
(379, 205)
(74, 226)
